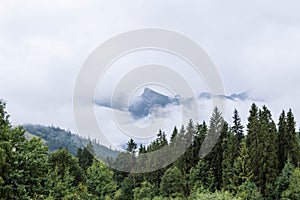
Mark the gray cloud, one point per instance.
(254, 45)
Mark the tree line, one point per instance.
(258, 161)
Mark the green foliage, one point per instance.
(100, 181)
(23, 163)
(201, 176)
(127, 187)
(172, 183)
(56, 138)
(131, 146)
(283, 180)
(245, 166)
(242, 167)
(59, 183)
(293, 191)
(85, 156)
(261, 142)
(237, 129)
(204, 195)
(145, 191)
(229, 148)
(64, 161)
(249, 191)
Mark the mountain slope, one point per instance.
(55, 138)
(150, 98)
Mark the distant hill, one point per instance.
(55, 138)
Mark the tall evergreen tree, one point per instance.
(268, 156)
(238, 131)
(23, 163)
(242, 167)
(293, 150)
(282, 142)
(229, 148)
(100, 181)
(293, 191)
(283, 180)
(252, 141)
(85, 156)
(172, 183)
(218, 128)
(63, 160)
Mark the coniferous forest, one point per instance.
(257, 160)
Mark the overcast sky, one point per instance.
(255, 45)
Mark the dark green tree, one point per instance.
(242, 167)
(172, 183)
(293, 151)
(293, 191)
(238, 131)
(127, 187)
(229, 153)
(145, 191)
(283, 180)
(59, 185)
(100, 181)
(252, 141)
(249, 191)
(131, 146)
(85, 156)
(268, 161)
(201, 176)
(63, 160)
(218, 129)
(23, 163)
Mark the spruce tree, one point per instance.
(172, 183)
(293, 152)
(282, 141)
(242, 167)
(218, 128)
(283, 180)
(266, 151)
(252, 141)
(229, 148)
(238, 131)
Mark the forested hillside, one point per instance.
(258, 161)
(55, 138)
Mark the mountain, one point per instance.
(233, 97)
(142, 106)
(55, 138)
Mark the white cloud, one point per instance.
(255, 45)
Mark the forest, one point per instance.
(258, 160)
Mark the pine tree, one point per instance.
(218, 129)
(23, 163)
(282, 142)
(145, 191)
(252, 141)
(229, 148)
(268, 161)
(283, 180)
(85, 156)
(59, 184)
(242, 167)
(172, 183)
(293, 191)
(100, 181)
(237, 129)
(201, 176)
(174, 134)
(293, 151)
(131, 146)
